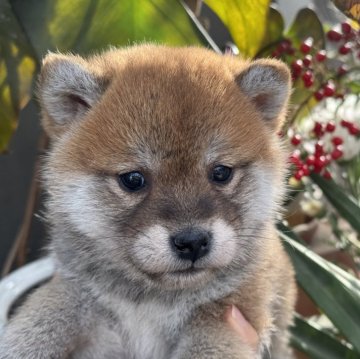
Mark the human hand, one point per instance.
(242, 327)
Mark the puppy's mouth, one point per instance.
(189, 277)
(187, 271)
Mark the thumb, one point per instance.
(241, 326)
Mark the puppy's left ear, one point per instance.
(68, 88)
(268, 85)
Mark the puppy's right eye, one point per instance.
(221, 174)
(132, 181)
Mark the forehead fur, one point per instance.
(166, 103)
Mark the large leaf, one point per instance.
(245, 20)
(336, 295)
(30, 28)
(274, 29)
(282, 227)
(17, 66)
(344, 204)
(87, 25)
(307, 24)
(311, 339)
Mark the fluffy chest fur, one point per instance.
(137, 331)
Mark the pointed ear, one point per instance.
(68, 88)
(268, 85)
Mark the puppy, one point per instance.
(163, 181)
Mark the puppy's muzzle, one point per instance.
(191, 243)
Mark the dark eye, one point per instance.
(221, 173)
(132, 181)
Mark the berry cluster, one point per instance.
(319, 158)
(347, 39)
(319, 73)
(310, 65)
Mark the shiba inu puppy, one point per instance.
(163, 181)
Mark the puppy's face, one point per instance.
(165, 164)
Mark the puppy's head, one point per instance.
(165, 166)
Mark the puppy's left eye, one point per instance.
(132, 181)
(221, 174)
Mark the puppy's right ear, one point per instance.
(68, 88)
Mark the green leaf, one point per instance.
(282, 227)
(274, 28)
(17, 67)
(87, 25)
(344, 204)
(245, 20)
(30, 28)
(352, 169)
(311, 339)
(333, 292)
(307, 24)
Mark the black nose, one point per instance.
(191, 243)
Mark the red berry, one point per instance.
(330, 126)
(329, 89)
(308, 78)
(296, 140)
(305, 170)
(307, 60)
(318, 130)
(299, 174)
(342, 70)
(346, 28)
(309, 82)
(319, 163)
(279, 50)
(275, 54)
(295, 158)
(308, 75)
(336, 153)
(290, 51)
(284, 45)
(306, 46)
(337, 141)
(320, 56)
(319, 149)
(297, 66)
(333, 35)
(350, 36)
(345, 49)
(327, 175)
(319, 95)
(310, 160)
(353, 130)
(345, 123)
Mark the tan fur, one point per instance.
(171, 113)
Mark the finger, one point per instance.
(241, 326)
